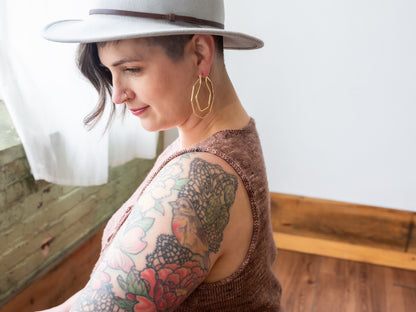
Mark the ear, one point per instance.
(204, 49)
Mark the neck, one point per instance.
(227, 113)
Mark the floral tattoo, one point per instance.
(180, 261)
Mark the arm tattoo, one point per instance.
(210, 192)
(179, 262)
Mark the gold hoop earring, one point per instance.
(196, 88)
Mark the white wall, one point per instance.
(334, 96)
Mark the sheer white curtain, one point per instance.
(47, 99)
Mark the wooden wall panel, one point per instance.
(62, 282)
(66, 215)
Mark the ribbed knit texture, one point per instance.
(253, 287)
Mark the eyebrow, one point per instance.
(123, 61)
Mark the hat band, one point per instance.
(169, 17)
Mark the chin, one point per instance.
(150, 128)
(153, 126)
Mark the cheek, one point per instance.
(168, 89)
(151, 89)
(158, 89)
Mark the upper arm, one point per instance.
(170, 241)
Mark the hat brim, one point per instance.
(99, 28)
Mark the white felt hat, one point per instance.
(122, 19)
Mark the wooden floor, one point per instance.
(321, 284)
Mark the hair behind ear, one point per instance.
(219, 46)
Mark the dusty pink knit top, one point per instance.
(253, 287)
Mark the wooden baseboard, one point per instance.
(336, 249)
(342, 230)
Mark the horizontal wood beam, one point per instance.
(412, 236)
(336, 249)
(343, 230)
(344, 222)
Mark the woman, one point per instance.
(196, 235)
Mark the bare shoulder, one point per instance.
(221, 201)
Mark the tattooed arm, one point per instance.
(170, 241)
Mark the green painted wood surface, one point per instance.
(33, 213)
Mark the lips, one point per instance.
(138, 111)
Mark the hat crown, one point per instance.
(212, 10)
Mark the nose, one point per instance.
(119, 93)
(119, 96)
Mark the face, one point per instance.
(155, 88)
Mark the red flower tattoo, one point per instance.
(169, 284)
(162, 288)
(144, 305)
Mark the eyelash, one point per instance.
(133, 70)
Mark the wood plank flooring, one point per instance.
(314, 283)
(311, 283)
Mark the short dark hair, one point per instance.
(100, 77)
